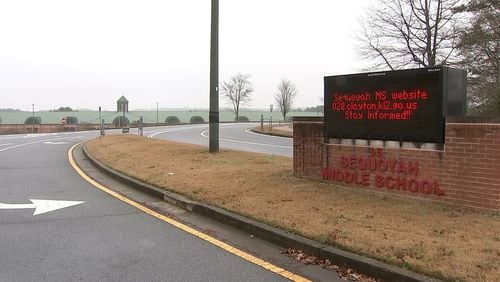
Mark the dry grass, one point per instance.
(440, 241)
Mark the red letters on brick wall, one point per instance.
(375, 170)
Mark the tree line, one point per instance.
(8, 110)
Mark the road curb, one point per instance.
(367, 266)
(270, 133)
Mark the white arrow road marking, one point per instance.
(41, 206)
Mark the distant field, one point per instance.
(148, 116)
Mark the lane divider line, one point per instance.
(173, 130)
(244, 255)
(205, 134)
(184, 127)
(35, 142)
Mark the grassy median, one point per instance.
(444, 242)
(276, 130)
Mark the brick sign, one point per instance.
(408, 105)
(377, 170)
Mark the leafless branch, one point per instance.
(285, 96)
(237, 91)
(407, 33)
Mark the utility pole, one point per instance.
(32, 118)
(213, 117)
(271, 118)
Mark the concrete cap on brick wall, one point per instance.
(307, 119)
(473, 119)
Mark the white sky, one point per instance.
(85, 54)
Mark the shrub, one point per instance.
(30, 120)
(242, 119)
(172, 120)
(71, 120)
(196, 119)
(121, 121)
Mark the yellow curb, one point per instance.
(244, 255)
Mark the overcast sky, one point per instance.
(85, 54)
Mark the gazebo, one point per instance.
(122, 105)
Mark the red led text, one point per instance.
(379, 105)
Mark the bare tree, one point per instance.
(398, 34)
(237, 91)
(285, 96)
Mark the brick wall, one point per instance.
(307, 147)
(466, 172)
(44, 128)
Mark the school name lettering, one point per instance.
(381, 172)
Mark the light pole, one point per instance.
(32, 118)
(156, 113)
(213, 116)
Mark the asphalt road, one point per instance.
(231, 136)
(104, 239)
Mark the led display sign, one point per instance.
(408, 105)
